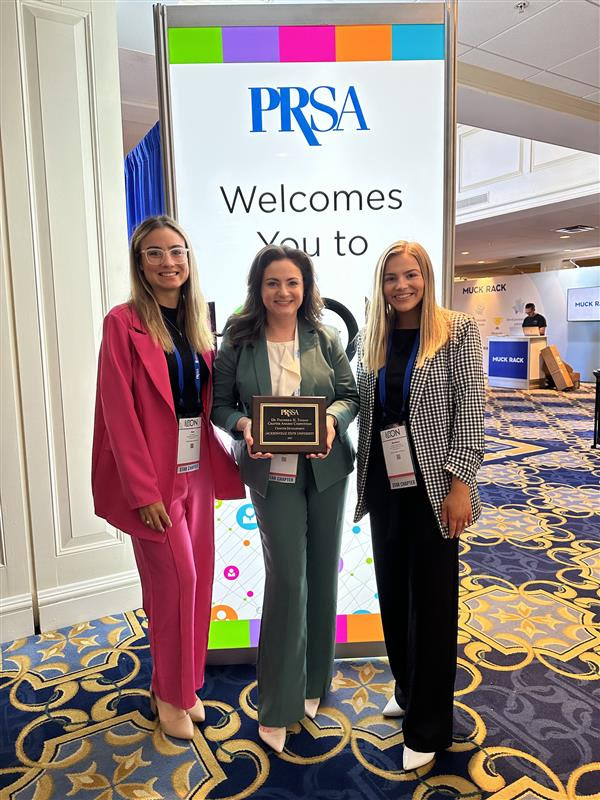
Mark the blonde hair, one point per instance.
(434, 325)
(192, 309)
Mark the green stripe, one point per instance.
(229, 633)
(195, 46)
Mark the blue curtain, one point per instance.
(144, 189)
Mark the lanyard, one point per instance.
(179, 360)
(407, 375)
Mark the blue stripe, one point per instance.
(417, 42)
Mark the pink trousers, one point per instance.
(177, 576)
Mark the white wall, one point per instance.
(498, 306)
(500, 174)
(64, 250)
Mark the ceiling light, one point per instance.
(564, 237)
(465, 253)
(481, 262)
(575, 229)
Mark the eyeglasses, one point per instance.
(156, 255)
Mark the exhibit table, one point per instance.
(515, 362)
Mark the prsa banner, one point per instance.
(325, 137)
(289, 125)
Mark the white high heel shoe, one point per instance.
(413, 759)
(274, 737)
(311, 706)
(392, 709)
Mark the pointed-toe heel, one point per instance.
(392, 709)
(413, 759)
(274, 737)
(311, 706)
(197, 712)
(173, 721)
(179, 728)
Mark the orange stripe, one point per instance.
(363, 43)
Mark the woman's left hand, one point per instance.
(330, 426)
(456, 511)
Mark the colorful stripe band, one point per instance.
(306, 43)
(240, 633)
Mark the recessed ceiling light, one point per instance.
(481, 262)
(465, 252)
(564, 237)
(575, 229)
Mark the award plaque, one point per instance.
(288, 424)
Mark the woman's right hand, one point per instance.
(155, 516)
(244, 425)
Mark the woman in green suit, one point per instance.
(277, 345)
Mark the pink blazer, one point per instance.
(135, 429)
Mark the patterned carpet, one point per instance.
(75, 717)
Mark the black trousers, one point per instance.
(417, 580)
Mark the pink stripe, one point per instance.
(307, 43)
(341, 628)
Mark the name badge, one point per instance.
(398, 457)
(188, 445)
(284, 468)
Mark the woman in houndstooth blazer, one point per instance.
(420, 382)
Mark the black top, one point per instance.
(402, 344)
(190, 405)
(536, 321)
(378, 486)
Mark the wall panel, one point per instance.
(65, 208)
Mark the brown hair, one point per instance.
(247, 325)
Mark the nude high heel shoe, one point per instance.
(197, 712)
(274, 737)
(175, 722)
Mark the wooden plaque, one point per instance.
(288, 424)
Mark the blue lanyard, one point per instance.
(407, 374)
(180, 372)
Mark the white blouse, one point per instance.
(284, 366)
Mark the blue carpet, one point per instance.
(75, 716)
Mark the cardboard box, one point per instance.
(562, 379)
(556, 367)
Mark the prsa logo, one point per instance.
(317, 111)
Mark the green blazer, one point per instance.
(241, 372)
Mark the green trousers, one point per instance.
(301, 530)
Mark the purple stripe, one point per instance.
(254, 632)
(246, 45)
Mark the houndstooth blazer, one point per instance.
(446, 417)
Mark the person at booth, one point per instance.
(157, 462)
(421, 441)
(534, 320)
(277, 345)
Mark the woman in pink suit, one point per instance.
(157, 463)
